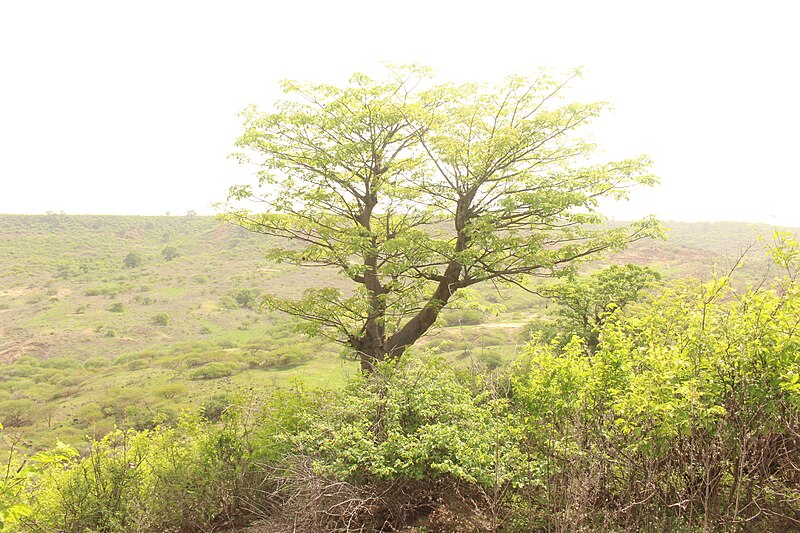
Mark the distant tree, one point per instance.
(132, 260)
(169, 253)
(16, 413)
(242, 298)
(586, 303)
(160, 319)
(191, 213)
(415, 192)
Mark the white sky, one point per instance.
(131, 107)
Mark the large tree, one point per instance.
(415, 191)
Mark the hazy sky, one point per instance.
(131, 107)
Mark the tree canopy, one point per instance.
(586, 303)
(415, 190)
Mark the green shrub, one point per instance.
(14, 502)
(132, 260)
(215, 406)
(679, 417)
(171, 391)
(169, 253)
(96, 362)
(242, 298)
(106, 332)
(61, 363)
(160, 319)
(16, 413)
(137, 364)
(462, 317)
(168, 479)
(420, 420)
(214, 371)
(67, 380)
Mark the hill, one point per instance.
(126, 321)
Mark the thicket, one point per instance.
(685, 417)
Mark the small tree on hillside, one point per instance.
(416, 191)
(132, 260)
(169, 253)
(586, 303)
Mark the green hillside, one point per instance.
(144, 323)
(88, 342)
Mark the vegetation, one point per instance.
(586, 304)
(416, 194)
(132, 260)
(684, 417)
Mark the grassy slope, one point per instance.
(80, 351)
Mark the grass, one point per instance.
(79, 343)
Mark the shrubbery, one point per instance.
(685, 417)
(188, 478)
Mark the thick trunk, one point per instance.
(374, 347)
(370, 352)
(416, 327)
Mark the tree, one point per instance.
(415, 191)
(169, 253)
(132, 260)
(587, 303)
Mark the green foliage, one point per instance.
(415, 194)
(587, 303)
(132, 260)
(14, 506)
(242, 298)
(171, 391)
(214, 370)
(16, 413)
(420, 420)
(215, 406)
(160, 319)
(684, 414)
(96, 362)
(169, 253)
(167, 479)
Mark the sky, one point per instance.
(131, 107)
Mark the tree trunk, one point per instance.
(371, 347)
(416, 327)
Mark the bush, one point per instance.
(160, 319)
(242, 298)
(462, 317)
(215, 406)
(61, 363)
(16, 413)
(171, 391)
(137, 364)
(189, 478)
(117, 307)
(169, 253)
(132, 260)
(96, 362)
(420, 420)
(214, 371)
(682, 418)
